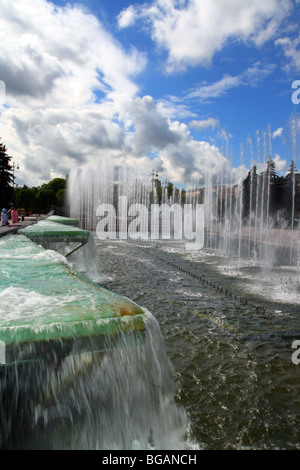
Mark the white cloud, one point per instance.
(205, 124)
(173, 107)
(45, 49)
(188, 159)
(127, 17)
(66, 80)
(281, 165)
(277, 133)
(193, 31)
(179, 157)
(152, 131)
(72, 96)
(250, 77)
(291, 49)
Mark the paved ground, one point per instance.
(14, 228)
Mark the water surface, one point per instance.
(228, 333)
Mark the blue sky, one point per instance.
(184, 87)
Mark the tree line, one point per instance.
(40, 199)
(270, 196)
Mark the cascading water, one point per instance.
(63, 390)
(114, 400)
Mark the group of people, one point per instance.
(14, 217)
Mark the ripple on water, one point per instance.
(233, 368)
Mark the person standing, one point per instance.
(14, 216)
(4, 218)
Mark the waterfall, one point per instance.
(119, 399)
(73, 378)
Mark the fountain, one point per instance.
(238, 219)
(88, 366)
(75, 356)
(257, 234)
(242, 229)
(244, 280)
(47, 231)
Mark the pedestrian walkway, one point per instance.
(9, 229)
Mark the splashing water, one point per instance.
(122, 399)
(67, 396)
(228, 228)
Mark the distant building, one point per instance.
(222, 191)
(155, 182)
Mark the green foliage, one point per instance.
(40, 199)
(25, 199)
(170, 187)
(43, 198)
(56, 185)
(159, 194)
(274, 195)
(61, 197)
(6, 177)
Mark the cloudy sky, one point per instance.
(186, 87)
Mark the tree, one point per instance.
(57, 184)
(246, 196)
(271, 170)
(42, 198)
(6, 177)
(250, 193)
(61, 197)
(25, 199)
(45, 199)
(291, 194)
(170, 189)
(273, 189)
